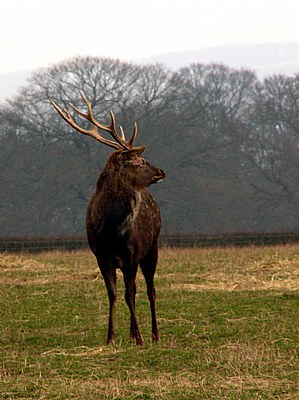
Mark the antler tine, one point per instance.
(121, 142)
(134, 134)
(108, 128)
(112, 129)
(93, 132)
(88, 116)
(122, 133)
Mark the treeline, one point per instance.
(228, 142)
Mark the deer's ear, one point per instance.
(136, 151)
(139, 150)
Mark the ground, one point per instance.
(227, 316)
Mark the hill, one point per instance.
(265, 59)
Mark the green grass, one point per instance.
(228, 320)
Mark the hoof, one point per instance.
(155, 338)
(139, 342)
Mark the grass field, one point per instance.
(228, 321)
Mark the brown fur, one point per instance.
(123, 224)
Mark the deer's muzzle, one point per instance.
(159, 176)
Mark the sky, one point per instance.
(35, 33)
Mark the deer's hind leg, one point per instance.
(109, 276)
(129, 273)
(148, 266)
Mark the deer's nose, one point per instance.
(159, 176)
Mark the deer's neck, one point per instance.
(120, 205)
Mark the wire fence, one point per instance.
(35, 245)
(229, 240)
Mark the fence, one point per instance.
(229, 240)
(33, 245)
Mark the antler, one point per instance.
(121, 142)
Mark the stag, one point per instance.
(123, 220)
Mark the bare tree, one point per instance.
(272, 149)
(244, 136)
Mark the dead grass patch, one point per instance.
(42, 270)
(234, 269)
(249, 382)
(136, 385)
(231, 269)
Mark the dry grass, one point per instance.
(234, 268)
(47, 268)
(216, 268)
(228, 319)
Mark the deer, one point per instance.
(123, 221)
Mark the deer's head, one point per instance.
(133, 170)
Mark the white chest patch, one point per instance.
(130, 219)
